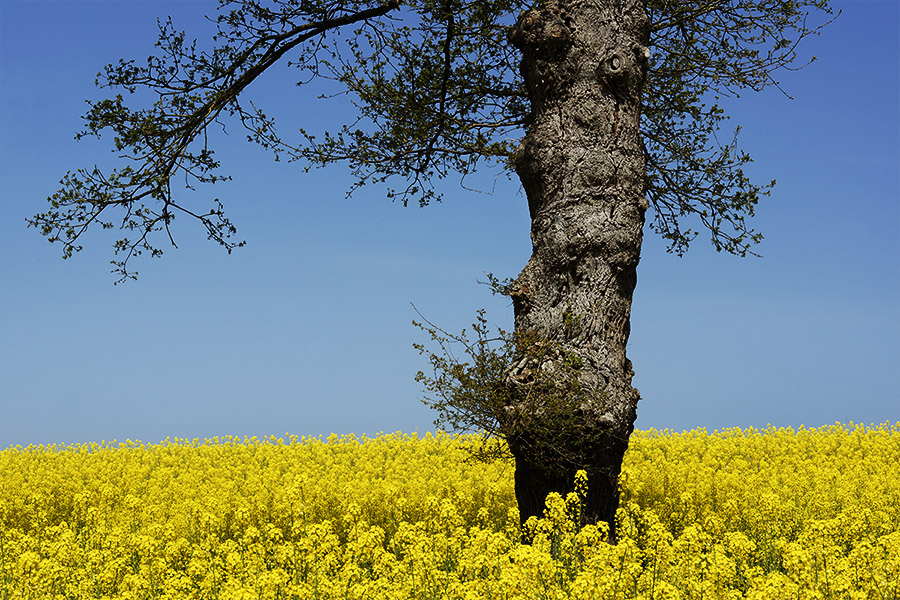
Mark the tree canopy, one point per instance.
(437, 91)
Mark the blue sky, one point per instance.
(308, 329)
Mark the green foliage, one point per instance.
(192, 89)
(438, 92)
(505, 386)
(469, 394)
(703, 51)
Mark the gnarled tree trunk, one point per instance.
(582, 166)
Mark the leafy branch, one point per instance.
(193, 88)
(436, 91)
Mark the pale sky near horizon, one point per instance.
(308, 329)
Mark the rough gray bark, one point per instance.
(582, 167)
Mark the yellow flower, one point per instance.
(756, 514)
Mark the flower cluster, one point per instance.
(750, 514)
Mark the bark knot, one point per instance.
(621, 70)
(542, 32)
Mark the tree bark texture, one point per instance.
(582, 167)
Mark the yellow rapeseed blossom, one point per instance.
(755, 514)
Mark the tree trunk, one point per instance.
(582, 167)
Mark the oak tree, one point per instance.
(608, 112)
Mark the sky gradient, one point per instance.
(308, 328)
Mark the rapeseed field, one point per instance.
(757, 514)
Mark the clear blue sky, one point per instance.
(307, 329)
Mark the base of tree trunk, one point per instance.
(541, 470)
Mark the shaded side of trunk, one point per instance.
(582, 167)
